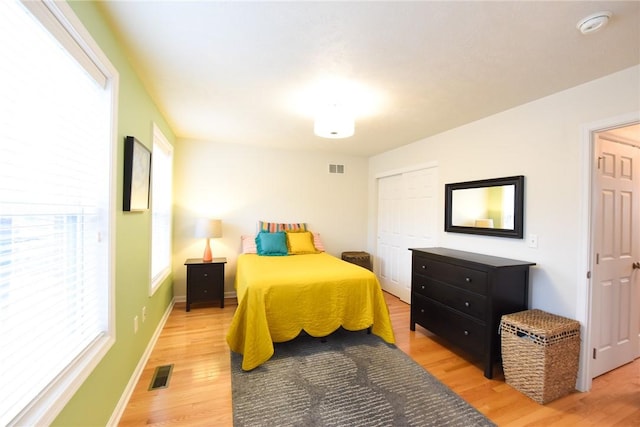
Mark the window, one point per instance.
(56, 209)
(161, 201)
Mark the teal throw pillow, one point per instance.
(272, 244)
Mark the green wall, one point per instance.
(95, 401)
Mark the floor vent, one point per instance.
(161, 377)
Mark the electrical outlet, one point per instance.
(532, 240)
(144, 314)
(135, 325)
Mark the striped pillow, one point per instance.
(273, 227)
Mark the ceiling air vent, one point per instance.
(336, 168)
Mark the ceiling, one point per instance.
(250, 72)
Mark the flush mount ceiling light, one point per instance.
(334, 121)
(593, 22)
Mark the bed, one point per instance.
(280, 296)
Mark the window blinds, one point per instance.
(161, 205)
(54, 205)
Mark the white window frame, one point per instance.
(160, 143)
(62, 23)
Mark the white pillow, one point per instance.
(249, 245)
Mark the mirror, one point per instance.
(491, 207)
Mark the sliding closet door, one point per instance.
(407, 218)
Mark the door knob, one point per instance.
(636, 265)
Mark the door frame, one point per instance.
(584, 303)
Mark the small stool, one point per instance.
(363, 259)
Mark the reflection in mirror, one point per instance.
(486, 207)
(492, 207)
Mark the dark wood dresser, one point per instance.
(461, 296)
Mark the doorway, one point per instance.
(615, 253)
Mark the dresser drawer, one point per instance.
(467, 333)
(466, 302)
(462, 277)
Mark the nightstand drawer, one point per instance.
(201, 291)
(203, 274)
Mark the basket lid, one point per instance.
(540, 322)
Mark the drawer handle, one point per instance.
(466, 333)
(206, 275)
(422, 310)
(424, 267)
(467, 279)
(422, 286)
(466, 304)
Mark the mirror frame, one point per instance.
(516, 233)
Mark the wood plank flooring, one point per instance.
(199, 392)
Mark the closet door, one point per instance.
(407, 218)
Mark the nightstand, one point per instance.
(205, 280)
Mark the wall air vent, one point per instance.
(336, 168)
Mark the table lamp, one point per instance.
(208, 228)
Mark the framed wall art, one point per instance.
(137, 175)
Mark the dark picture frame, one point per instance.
(137, 175)
(515, 232)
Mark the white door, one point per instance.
(407, 218)
(616, 240)
(387, 260)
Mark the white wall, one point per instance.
(242, 185)
(544, 141)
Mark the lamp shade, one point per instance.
(208, 228)
(334, 121)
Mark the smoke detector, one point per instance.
(593, 22)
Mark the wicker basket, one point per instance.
(363, 259)
(540, 353)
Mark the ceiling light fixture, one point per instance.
(334, 121)
(593, 22)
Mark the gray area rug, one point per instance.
(352, 379)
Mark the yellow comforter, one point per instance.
(278, 297)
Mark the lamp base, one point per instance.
(207, 253)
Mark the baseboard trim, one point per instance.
(135, 377)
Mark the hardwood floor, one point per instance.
(199, 391)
